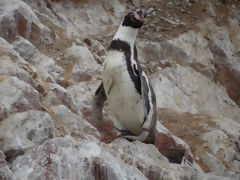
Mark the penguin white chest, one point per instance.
(125, 103)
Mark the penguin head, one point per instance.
(134, 18)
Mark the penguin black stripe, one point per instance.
(124, 47)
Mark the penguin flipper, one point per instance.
(149, 103)
(98, 100)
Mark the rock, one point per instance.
(101, 169)
(44, 66)
(21, 20)
(181, 89)
(181, 56)
(234, 33)
(216, 138)
(188, 49)
(85, 64)
(199, 56)
(97, 49)
(27, 50)
(226, 60)
(9, 68)
(57, 95)
(13, 64)
(172, 147)
(67, 158)
(223, 147)
(51, 56)
(85, 18)
(68, 123)
(5, 172)
(81, 53)
(193, 50)
(77, 109)
(47, 9)
(83, 103)
(115, 6)
(55, 73)
(81, 94)
(25, 130)
(17, 96)
(7, 50)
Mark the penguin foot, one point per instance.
(142, 137)
(124, 132)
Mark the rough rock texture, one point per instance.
(5, 172)
(22, 131)
(51, 55)
(19, 19)
(66, 158)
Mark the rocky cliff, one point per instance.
(51, 55)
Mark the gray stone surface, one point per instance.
(51, 55)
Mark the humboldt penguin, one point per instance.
(125, 86)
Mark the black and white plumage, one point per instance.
(125, 86)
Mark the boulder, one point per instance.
(9, 68)
(85, 65)
(17, 96)
(19, 19)
(213, 140)
(57, 95)
(182, 89)
(24, 130)
(172, 147)
(66, 158)
(69, 123)
(5, 172)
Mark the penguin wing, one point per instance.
(149, 106)
(149, 103)
(98, 100)
(148, 96)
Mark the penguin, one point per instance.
(125, 86)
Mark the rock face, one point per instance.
(51, 55)
(5, 172)
(22, 131)
(65, 158)
(19, 19)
